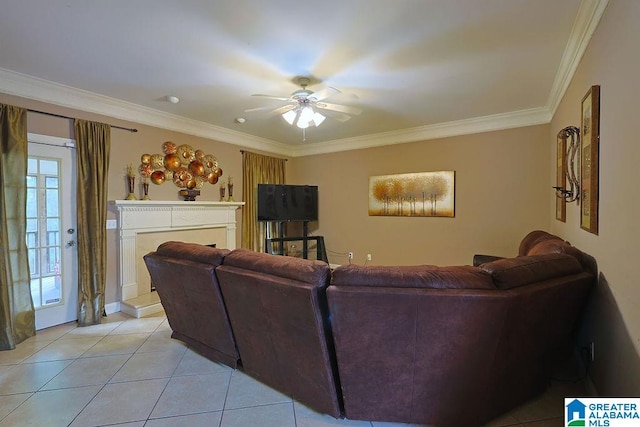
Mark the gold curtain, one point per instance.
(93, 141)
(17, 316)
(257, 169)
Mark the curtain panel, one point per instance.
(17, 315)
(93, 141)
(257, 169)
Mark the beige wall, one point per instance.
(127, 147)
(502, 192)
(612, 61)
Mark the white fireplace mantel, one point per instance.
(150, 216)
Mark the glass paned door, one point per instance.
(51, 233)
(43, 230)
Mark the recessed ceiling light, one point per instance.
(240, 120)
(173, 99)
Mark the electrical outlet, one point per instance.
(592, 351)
(368, 257)
(350, 256)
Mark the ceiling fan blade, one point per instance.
(251, 110)
(279, 110)
(324, 93)
(285, 108)
(279, 98)
(340, 108)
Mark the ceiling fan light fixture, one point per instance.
(306, 114)
(303, 124)
(301, 106)
(318, 118)
(290, 116)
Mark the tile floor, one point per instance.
(129, 372)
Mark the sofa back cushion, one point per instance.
(192, 252)
(540, 242)
(420, 276)
(278, 310)
(511, 273)
(185, 279)
(302, 270)
(534, 238)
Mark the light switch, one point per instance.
(111, 224)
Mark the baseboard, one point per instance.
(111, 308)
(141, 311)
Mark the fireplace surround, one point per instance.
(143, 225)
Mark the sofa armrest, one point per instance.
(480, 259)
(511, 273)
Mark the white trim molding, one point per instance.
(584, 26)
(531, 117)
(18, 84)
(589, 14)
(111, 308)
(156, 216)
(37, 138)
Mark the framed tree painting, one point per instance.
(589, 159)
(424, 194)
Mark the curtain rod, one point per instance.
(286, 160)
(72, 118)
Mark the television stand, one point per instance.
(276, 245)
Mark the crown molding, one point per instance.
(54, 93)
(515, 119)
(589, 14)
(37, 89)
(585, 24)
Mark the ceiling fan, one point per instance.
(302, 106)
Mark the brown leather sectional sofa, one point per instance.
(415, 344)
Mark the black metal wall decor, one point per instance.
(567, 183)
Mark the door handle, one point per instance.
(70, 243)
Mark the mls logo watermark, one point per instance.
(601, 412)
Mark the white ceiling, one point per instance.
(416, 68)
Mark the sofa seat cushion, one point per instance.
(511, 273)
(420, 276)
(302, 270)
(192, 252)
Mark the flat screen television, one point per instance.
(280, 202)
